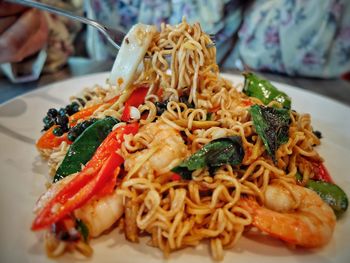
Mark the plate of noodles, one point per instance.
(173, 161)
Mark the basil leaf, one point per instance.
(84, 147)
(272, 125)
(227, 150)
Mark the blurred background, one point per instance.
(302, 43)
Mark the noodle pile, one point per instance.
(180, 63)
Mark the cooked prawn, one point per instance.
(297, 216)
(100, 213)
(166, 148)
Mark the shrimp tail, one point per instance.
(310, 226)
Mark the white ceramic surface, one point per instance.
(22, 178)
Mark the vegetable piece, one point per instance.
(84, 147)
(83, 114)
(272, 125)
(260, 88)
(49, 140)
(133, 51)
(332, 194)
(76, 193)
(126, 113)
(87, 112)
(136, 98)
(175, 177)
(82, 229)
(321, 173)
(227, 150)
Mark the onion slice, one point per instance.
(130, 55)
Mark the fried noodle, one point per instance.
(181, 213)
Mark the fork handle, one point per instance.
(102, 28)
(52, 9)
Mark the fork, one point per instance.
(114, 36)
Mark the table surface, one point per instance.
(336, 89)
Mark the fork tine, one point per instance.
(212, 37)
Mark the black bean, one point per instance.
(62, 120)
(79, 129)
(63, 235)
(81, 101)
(71, 136)
(65, 128)
(75, 107)
(93, 120)
(318, 134)
(184, 99)
(48, 122)
(52, 113)
(74, 132)
(161, 107)
(62, 112)
(84, 125)
(58, 131)
(69, 109)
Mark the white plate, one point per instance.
(23, 176)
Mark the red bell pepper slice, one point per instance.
(126, 113)
(92, 180)
(111, 144)
(321, 173)
(247, 102)
(110, 185)
(136, 98)
(67, 200)
(176, 177)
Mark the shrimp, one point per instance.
(297, 216)
(165, 150)
(100, 213)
